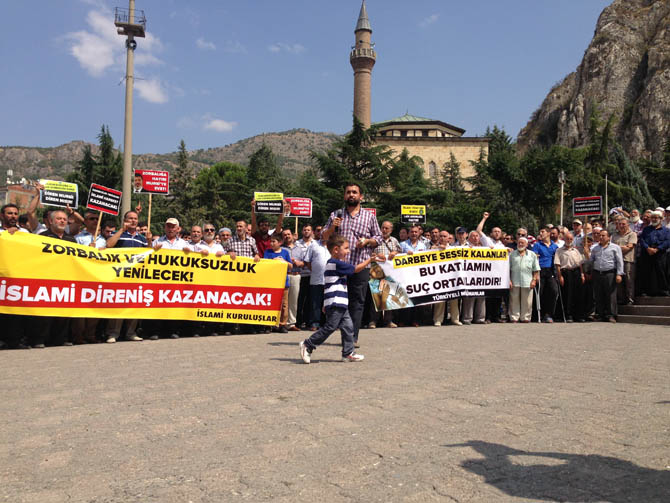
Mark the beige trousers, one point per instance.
(520, 303)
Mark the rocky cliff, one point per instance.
(625, 71)
(292, 149)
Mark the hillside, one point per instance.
(626, 72)
(292, 149)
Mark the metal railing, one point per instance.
(122, 16)
(363, 53)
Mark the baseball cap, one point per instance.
(172, 221)
(668, 208)
(460, 229)
(577, 221)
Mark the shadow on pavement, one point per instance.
(555, 476)
(299, 360)
(298, 342)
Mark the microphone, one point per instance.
(338, 214)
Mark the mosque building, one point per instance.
(430, 139)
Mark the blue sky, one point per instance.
(216, 71)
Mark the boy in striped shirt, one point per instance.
(335, 302)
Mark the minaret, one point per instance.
(362, 59)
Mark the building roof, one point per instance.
(413, 119)
(363, 21)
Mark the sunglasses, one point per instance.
(209, 230)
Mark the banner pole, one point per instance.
(97, 228)
(296, 226)
(149, 215)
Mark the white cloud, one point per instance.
(100, 48)
(203, 44)
(234, 47)
(186, 123)
(218, 125)
(151, 90)
(429, 20)
(290, 48)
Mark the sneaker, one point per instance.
(305, 353)
(133, 338)
(437, 324)
(456, 322)
(353, 357)
(392, 325)
(111, 340)
(547, 319)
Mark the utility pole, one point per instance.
(561, 180)
(130, 24)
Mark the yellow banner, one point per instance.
(412, 209)
(450, 254)
(43, 276)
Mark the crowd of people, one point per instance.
(572, 275)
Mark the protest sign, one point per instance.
(43, 276)
(104, 199)
(151, 181)
(269, 202)
(57, 193)
(300, 207)
(584, 206)
(412, 214)
(437, 275)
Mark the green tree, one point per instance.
(264, 174)
(222, 193)
(450, 175)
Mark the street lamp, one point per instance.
(131, 24)
(561, 180)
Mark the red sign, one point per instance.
(151, 181)
(371, 210)
(104, 199)
(300, 207)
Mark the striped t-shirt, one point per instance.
(335, 284)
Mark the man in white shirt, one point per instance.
(85, 237)
(171, 240)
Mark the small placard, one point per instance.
(57, 193)
(300, 207)
(104, 199)
(269, 202)
(584, 206)
(413, 214)
(151, 181)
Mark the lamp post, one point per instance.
(130, 24)
(561, 180)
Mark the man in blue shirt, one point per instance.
(607, 261)
(654, 245)
(545, 250)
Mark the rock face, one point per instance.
(625, 71)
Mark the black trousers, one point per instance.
(604, 288)
(357, 286)
(573, 293)
(548, 291)
(304, 309)
(652, 273)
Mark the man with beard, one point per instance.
(387, 249)
(362, 231)
(13, 325)
(524, 273)
(654, 243)
(85, 237)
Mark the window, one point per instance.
(432, 170)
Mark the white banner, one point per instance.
(437, 275)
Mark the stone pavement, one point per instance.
(480, 413)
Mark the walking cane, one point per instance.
(560, 297)
(536, 289)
